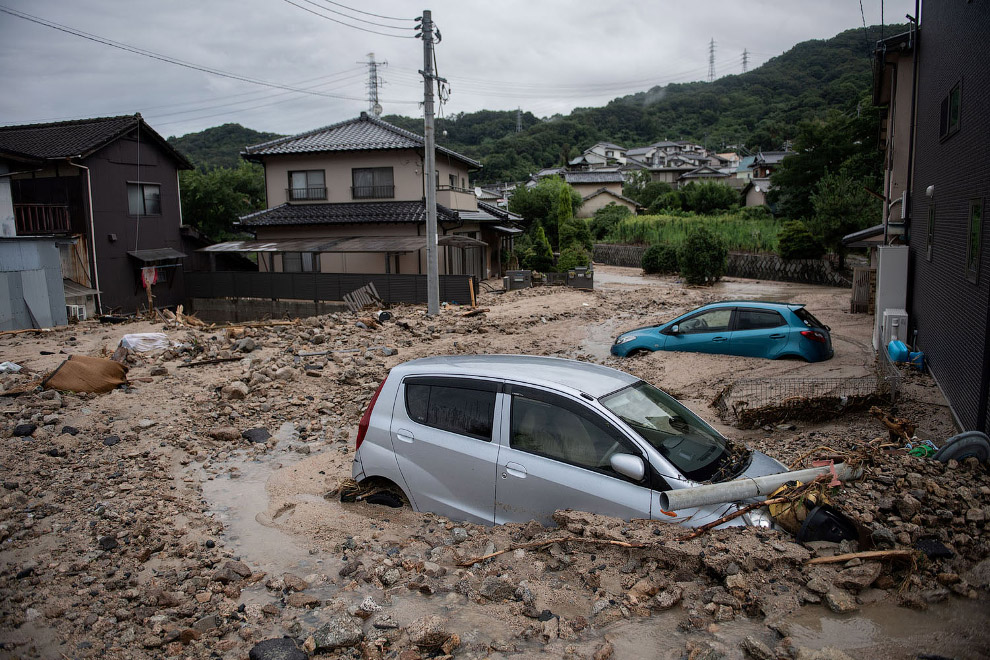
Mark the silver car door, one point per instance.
(442, 437)
(555, 454)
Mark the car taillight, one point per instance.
(813, 336)
(366, 418)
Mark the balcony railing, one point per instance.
(372, 192)
(305, 194)
(31, 219)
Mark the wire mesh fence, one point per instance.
(755, 402)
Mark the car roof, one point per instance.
(586, 377)
(754, 303)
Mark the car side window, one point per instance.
(459, 407)
(758, 319)
(715, 320)
(556, 428)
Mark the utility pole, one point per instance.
(711, 61)
(374, 82)
(745, 59)
(429, 165)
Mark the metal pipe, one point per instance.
(747, 488)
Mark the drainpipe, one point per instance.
(92, 232)
(914, 100)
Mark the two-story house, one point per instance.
(350, 198)
(935, 85)
(600, 154)
(109, 188)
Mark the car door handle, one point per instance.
(776, 336)
(515, 469)
(404, 435)
(720, 339)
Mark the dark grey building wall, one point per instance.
(128, 159)
(950, 312)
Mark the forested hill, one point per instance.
(757, 109)
(219, 146)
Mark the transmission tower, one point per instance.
(374, 82)
(711, 61)
(518, 120)
(745, 59)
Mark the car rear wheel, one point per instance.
(385, 498)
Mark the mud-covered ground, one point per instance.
(142, 524)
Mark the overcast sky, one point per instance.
(545, 56)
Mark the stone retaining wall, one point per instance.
(741, 264)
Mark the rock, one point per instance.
(302, 600)
(433, 570)
(817, 585)
(604, 652)
(24, 430)
(277, 649)
(667, 598)
(239, 567)
(236, 390)
(108, 543)
(497, 589)
(757, 649)
(245, 345)
(225, 433)
(385, 622)
(840, 601)
(339, 632)
(390, 577)
(258, 435)
(294, 583)
(907, 506)
(111, 440)
(859, 577)
(428, 632)
(70, 430)
(207, 623)
(979, 575)
(286, 373)
(459, 534)
(158, 370)
(975, 515)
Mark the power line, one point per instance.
(360, 20)
(165, 58)
(356, 27)
(368, 13)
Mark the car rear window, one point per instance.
(457, 408)
(808, 318)
(757, 319)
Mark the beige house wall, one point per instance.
(896, 165)
(585, 189)
(360, 262)
(600, 201)
(406, 164)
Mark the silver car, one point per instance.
(512, 438)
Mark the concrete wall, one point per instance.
(600, 201)
(31, 294)
(240, 310)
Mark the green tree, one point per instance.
(213, 200)
(573, 257)
(795, 241)
(606, 218)
(541, 204)
(841, 206)
(659, 258)
(540, 257)
(702, 257)
(707, 197)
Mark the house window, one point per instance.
(453, 180)
(973, 230)
(307, 184)
(930, 242)
(144, 199)
(949, 115)
(300, 262)
(372, 183)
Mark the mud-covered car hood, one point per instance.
(761, 465)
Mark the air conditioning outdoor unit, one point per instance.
(895, 326)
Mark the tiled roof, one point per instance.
(593, 177)
(345, 213)
(606, 191)
(360, 134)
(80, 137)
(499, 212)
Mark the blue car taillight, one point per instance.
(813, 335)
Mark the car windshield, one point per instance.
(670, 428)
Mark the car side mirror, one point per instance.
(629, 466)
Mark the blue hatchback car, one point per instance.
(747, 328)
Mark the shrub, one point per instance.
(574, 232)
(708, 197)
(702, 257)
(795, 241)
(660, 258)
(761, 212)
(573, 257)
(606, 218)
(540, 256)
